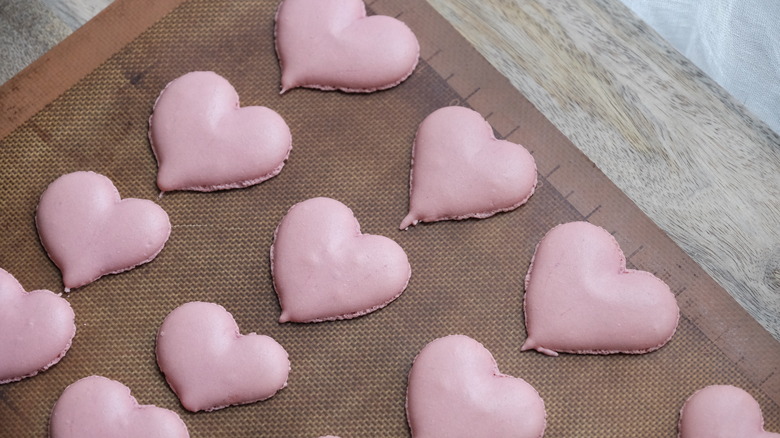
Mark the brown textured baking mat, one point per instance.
(348, 378)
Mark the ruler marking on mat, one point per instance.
(766, 379)
(641, 247)
(512, 131)
(471, 94)
(433, 55)
(587, 216)
(554, 169)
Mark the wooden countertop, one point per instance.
(686, 152)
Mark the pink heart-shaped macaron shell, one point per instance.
(36, 329)
(89, 231)
(331, 44)
(204, 141)
(324, 268)
(722, 411)
(210, 365)
(460, 170)
(580, 298)
(456, 390)
(99, 407)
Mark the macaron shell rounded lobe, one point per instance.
(39, 318)
(324, 268)
(722, 411)
(580, 298)
(99, 407)
(332, 44)
(88, 231)
(460, 170)
(210, 365)
(456, 390)
(204, 141)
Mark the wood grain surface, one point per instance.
(690, 156)
(74, 13)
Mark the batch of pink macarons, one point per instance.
(204, 141)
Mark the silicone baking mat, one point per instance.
(348, 378)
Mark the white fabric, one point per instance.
(736, 42)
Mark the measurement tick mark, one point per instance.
(433, 55)
(554, 169)
(641, 247)
(471, 94)
(592, 212)
(512, 131)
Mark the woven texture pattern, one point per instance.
(348, 378)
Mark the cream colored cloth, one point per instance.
(736, 42)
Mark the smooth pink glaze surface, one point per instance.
(88, 231)
(324, 268)
(722, 411)
(456, 390)
(99, 407)
(580, 298)
(204, 141)
(210, 365)
(460, 170)
(36, 329)
(331, 44)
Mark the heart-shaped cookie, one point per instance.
(204, 141)
(99, 407)
(722, 411)
(580, 298)
(331, 44)
(460, 170)
(324, 268)
(455, 390)
(89, 231)
(39, 318)
(210, 365)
